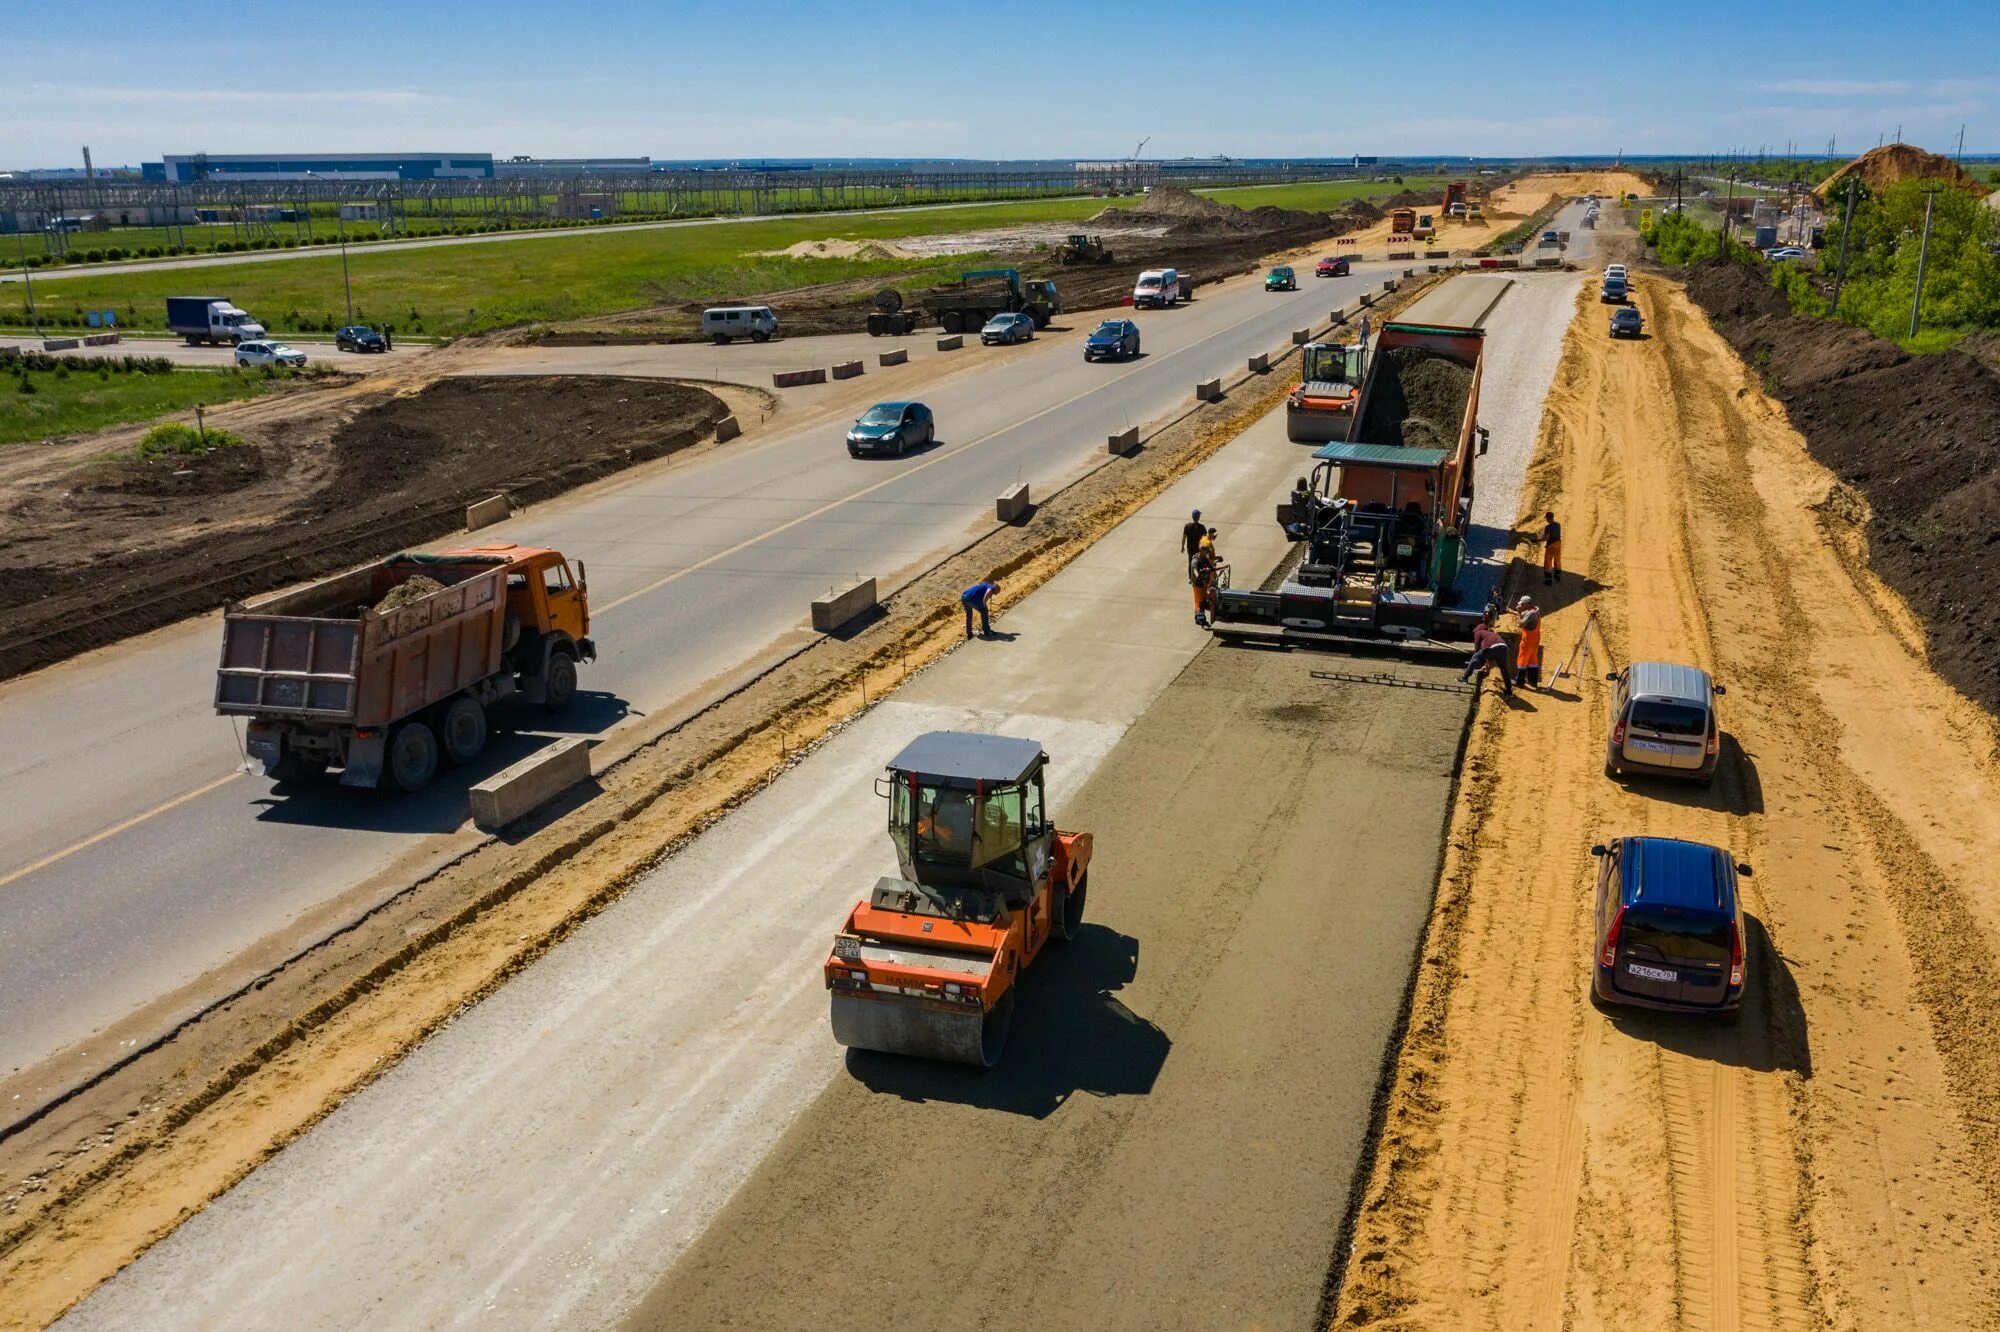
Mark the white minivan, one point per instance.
(725, 323)
(1157, 287)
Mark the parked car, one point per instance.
(359, 338)
(1112, 340)
(1781, 253)
(268, 353)
(1669, 927)
(1334, 265)
(1663, 722)
(893, 428)
(1006, 328)
(1626, 323)
(1281, 278)
(726, 323)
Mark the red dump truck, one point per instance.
(387, 670)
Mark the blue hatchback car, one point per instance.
(1112, 340)
(1669, 927)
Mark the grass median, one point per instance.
(75, 401)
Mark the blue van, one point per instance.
(1669, 927)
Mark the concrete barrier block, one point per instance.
(59, 344)
(1259, 364)
(1506, 263)
(794, 378)
(1409, 272)
(841, 604)
(1389, 284)
(1209, 390)
(1338, 317)
(1368, 298)
(1437, 254)
(893, 358)
(1430, 268)
(530, 784)
(1301, 336)
(727, 429)
(1124, 443)
(487, 512)
(952, 343)
(1012, 505)
(846, 369)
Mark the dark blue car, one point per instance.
(1669, 927)
(1112, 340)
(893, 428)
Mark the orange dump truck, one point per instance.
(1402, 221)
(927, 964)
(384, 676)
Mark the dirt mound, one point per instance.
(1167, 201)
(1419, 400)
(837, 248)
(1879, 168)
(1362, 211)
(82, 565)
(1914, 434)
(412, 589)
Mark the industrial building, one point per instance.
(247, 167)
(571, 166)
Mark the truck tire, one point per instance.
(464, 729)
(560, 683)
(951, 322)
(295, 769)
(1069, 919)
(413, 757)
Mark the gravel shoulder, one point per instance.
(1831, 1160)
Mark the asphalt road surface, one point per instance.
(1172, 1135)
(222, 358)
(140, 869)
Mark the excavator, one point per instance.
(1321, 408)
(926, 965)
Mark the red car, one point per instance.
(1332, 266)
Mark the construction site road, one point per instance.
(323, 354)
(119, 785)
(546, 1158)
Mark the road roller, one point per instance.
(927, 964)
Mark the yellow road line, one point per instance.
(115, 829)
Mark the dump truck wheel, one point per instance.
(294, 769)
(560, 685)
(464, 729)
(950, 322)
(1070, 919)
(413, 756)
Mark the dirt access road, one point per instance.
(1510, 204)
(1834, 1159)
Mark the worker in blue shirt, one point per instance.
(977, 598)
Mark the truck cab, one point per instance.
(544, 596)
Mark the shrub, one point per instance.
(177, 439)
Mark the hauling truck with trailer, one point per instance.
(387, 670)
(1383, 521)
(1321, 408)
(927, 964)
(964, 306)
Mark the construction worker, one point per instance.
(1201, 577)
(977, 598)
(1552, 549)
(1488, 649)
(1192, 531)
(1528, 656)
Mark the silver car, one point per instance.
(1008, 328)
(268, 353)
(1663, 722)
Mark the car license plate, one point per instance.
(1651, 747)
(1651, 973)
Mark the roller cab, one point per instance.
(926, 964)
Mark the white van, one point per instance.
(1157, 287)
(727, 322)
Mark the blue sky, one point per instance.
(886, 78)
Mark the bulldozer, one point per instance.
(1321, 408)
(1084, 250)
(927, 964)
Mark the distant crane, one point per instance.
(1141, 148)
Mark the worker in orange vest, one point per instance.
(1528, 656)
(1552, 549)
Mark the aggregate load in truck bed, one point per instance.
(1916, 436)
(1417, 400)
(87, 559)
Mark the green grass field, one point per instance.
(1325, 195)
(86, 400)
(450, 290)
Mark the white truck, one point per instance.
(1157, 287)
(211, 319)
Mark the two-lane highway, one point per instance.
(139, 865)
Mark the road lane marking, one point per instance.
(115, 829)
(866, 491)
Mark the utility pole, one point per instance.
(28, 276)
(1846, 231)
(1923, 254)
